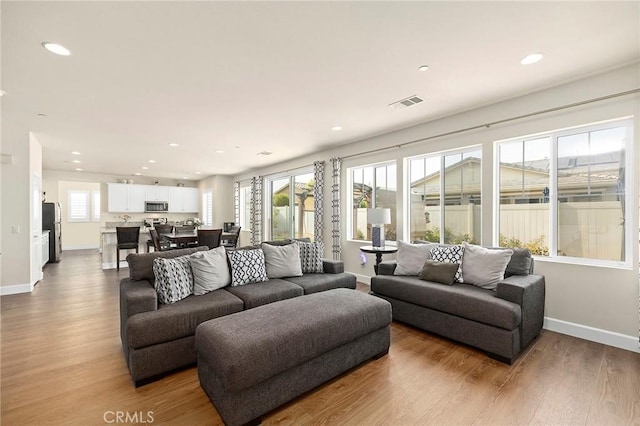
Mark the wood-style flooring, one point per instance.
(62, 364)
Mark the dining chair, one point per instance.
(185, 229)
(160, 229)
(158, 244)
(231, 241)
(209, 237)
(126, 239)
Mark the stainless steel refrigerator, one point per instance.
(51, 222)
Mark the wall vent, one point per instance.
(264, 153)
(406, 102)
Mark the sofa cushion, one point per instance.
(311, 257)
(174, 279)
(267, 292)
(411, 257)
(463, 300)
(179, 320)
(451, 254)
(282, 260)
(313, 283)
(141, 264)
(210, 270)
(484, 267)
(439, 272)
(247, 266)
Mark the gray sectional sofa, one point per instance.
(502, 321)
(158, 338)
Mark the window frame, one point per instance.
(86, 207)
(207, 207)
(350, 207)
(554, 135)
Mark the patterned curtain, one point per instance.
(336, 246)
(318, 203)
(256, 210)
(236, 202)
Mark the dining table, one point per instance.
(182, 239)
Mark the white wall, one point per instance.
(222, 189)
(585, 297)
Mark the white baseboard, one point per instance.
(6, 290)
(362, 278)
(80, 247)
(597, 335)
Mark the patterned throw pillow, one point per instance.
(247, 266)
(311, 257)
(451, 254)
(174, 279)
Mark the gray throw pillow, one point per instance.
(520, 263)
(484, 267)
(210, 270)
(282, 260)
(439, 272)
(450, 254)
(410, 257)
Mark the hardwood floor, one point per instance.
(62, 364)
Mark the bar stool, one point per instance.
(126, 239)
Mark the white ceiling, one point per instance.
(245, 77)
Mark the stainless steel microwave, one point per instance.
(156, 206)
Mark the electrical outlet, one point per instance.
(15, 229)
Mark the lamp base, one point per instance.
(377, 236)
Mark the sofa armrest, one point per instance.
(386, 267)
(528, 291)
(331, 266)
(136, 297)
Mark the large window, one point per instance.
(562, 194)
(372, 186)
(292, 206)
(445, 194)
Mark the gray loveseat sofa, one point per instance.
(501, 322)
(158, 338)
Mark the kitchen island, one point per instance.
(108, 241)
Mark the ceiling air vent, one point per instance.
(264, 153)
(406, 102)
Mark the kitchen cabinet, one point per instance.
(126, 198)
(156, 193)
(184, 200)
(45, 247)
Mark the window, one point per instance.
(207, 208)
(372, 186)
(95, 207)
(292, 206)
(245, 207)
(78, 202)
(562, 194)
(445, 193)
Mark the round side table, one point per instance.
(378, 251)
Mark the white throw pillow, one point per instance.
(247, 266)
(411, 257)
(484, 267)
(451, 254)
(210, 270)
(282, 261)
(174, 280)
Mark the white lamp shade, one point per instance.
(379, 216)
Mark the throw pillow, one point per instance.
(484, 267)
(210, 270)
(450, 254)
(247, 266)
(311, 257)
(520, 263)
(410, 257)
(174, 279)
(439, 272)
(282, 260)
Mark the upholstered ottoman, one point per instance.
(254, 361)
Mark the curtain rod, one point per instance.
(493, 123)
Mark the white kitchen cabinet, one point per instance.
(156, 193)
(45, 247)
(126, 198)
(184, 200)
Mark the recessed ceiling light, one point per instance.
(2, 93)
(423, 68)
(75, 153)
(137, 174)
(173, 144)
(145, 168)
(336, 128)
(184, 177)
(197, 173)
(152, 161)
(76, 161)
(219, 151)
(56, 48)
(531, 59)
(78, 169)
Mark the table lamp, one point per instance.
(378, 218)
